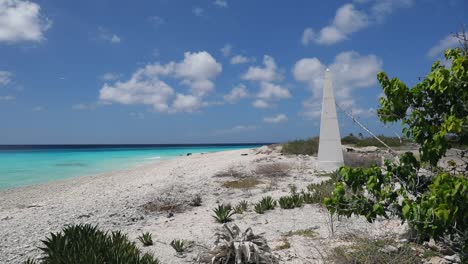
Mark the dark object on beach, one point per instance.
(244, 154)
(189, 154)
(82, 244)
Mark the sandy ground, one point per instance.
(114, 202)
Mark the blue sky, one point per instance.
(209, 71)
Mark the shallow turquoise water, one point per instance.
(27, 167)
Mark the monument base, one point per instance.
(328, 166)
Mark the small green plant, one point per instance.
(308, 197)
(245, 183)
(268, 203)
(293, 188)
(82, 244)
(284, 244)
(286, 202)
(146, 239)
(321, 191)
(179, 245)
(301, 147)
(196, 201)
(297, 200)
(223, 213)
(259, 208)
(241, 207)
(303, 232)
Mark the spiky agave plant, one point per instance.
(146, 239)
(178, 245)
(286, 202)
(259, 208)
(223, 213)
(82, 244)
(234, 246)
(268, 203)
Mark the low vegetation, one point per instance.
(179, 245)
(223, 213)
(173, 200)
(241, 207)
(86, 244)
(245, 183)
(231, 172)
(366, 160)
(196, 201)
(267, 203)
(374, 251)
(234, 246)
(303, 233)
(302, 147)
(284, 244)
(146, 239)
(273, 170)
(317, 193)
(371, 141)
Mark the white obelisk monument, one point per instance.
(330, 153)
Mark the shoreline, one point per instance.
(114, 201)
(135, 164)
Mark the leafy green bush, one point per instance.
(223, 213)
(432, 202)
(86, 244)
(146, 239)
(304, 147)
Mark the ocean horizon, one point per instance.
(25, 165)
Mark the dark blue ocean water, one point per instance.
(26, 165)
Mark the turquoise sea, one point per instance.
(28, 165)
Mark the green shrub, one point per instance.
(297, 200)
(223, 213)
(350, 139)
(268, 203)
(146, 239)
(286, 202)
(179, 245)
(259, 208)
(321, 191)
(241, 207)
(374, 251)
(86, 244)
(304, 147)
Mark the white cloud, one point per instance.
(349, 19)
(235, 129)
(110, 76)
(267, 74)
(307, 36)
(197, 71)
(226, 50)
(221, 3)
(106, 35)
(198, 11)
(276, 119)
(349, 70)
(237, 93)
(240, 59)
(22, 21)
(449, 41)
(7, 98)
(83, 106)
(262, 104)
(5, 77)
(185, 103)
(270, 91)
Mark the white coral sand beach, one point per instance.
(114, 201)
